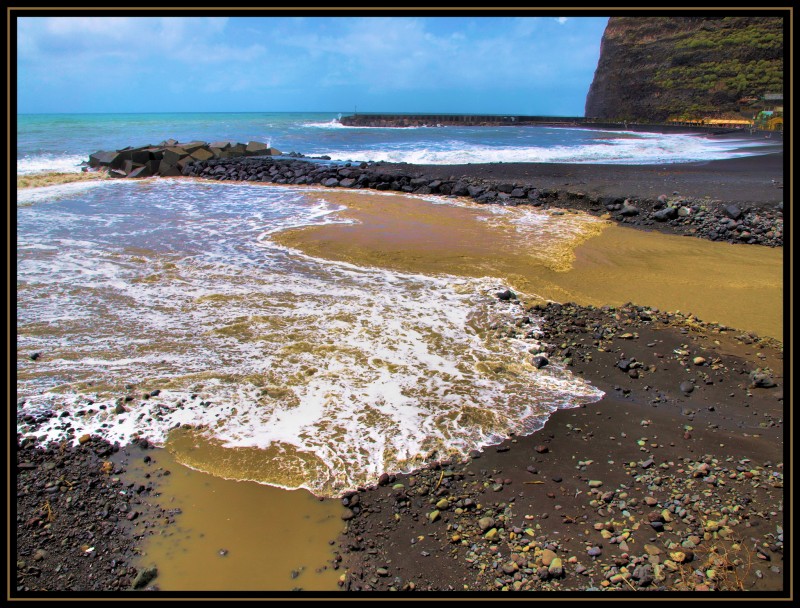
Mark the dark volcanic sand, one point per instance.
(716, 489)
(706, 467)
(755, 180)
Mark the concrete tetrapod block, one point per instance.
(167, 170)
(237, 150)
(187, 160)
(139, 172)
(193, 146)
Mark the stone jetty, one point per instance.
(169, 158)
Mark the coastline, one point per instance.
(733, 426)
(641, 490)
(734, 200)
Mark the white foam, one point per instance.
(367, 369)
(45, 163)
(29, 196)
(642, 148)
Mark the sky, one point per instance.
(527, 65)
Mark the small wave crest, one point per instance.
(46, 163)
(643, 150)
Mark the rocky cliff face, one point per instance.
(656, 68)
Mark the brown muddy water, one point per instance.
(601, 264)
(245, 536)
(238, 535)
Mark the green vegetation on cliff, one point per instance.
(656, 68)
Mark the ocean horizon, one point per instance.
(61, 142)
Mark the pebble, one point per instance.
(484, 523)
(548, 556)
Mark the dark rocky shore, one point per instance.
(670, 199)
(672, 482)
(80, 517)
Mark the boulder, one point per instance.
(255, 147)
(201, 154)
(732, 211)
(667, 213)
(102, 158)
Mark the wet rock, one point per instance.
(666, 214)
(144, 577)
(732, 211)
(540, 361)
(348, 514)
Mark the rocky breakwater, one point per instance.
(169, 157)
(702, 217)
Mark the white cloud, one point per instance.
(562, 20)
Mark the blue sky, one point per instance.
(494, 65)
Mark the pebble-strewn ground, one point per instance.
(79, 517)
(674, 481)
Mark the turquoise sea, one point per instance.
(60, 142)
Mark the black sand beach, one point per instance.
(673, 481)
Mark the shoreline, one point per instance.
(679, 467)
(637, 491)
(734, 200)
(731, 458)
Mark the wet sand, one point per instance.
(724, 422)
(562, 257)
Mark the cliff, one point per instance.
(657, 68)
